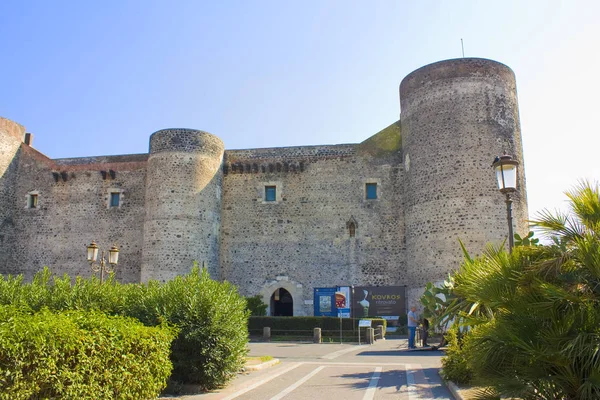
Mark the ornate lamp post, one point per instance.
(102, 266)
(506, 174)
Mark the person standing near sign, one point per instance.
(413, 322)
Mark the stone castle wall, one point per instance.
(11, 137)
(189, 199)
(302, 240)
(73, 209)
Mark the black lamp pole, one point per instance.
(509, 217)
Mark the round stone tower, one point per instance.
(183, 203)
(11, 137)
(456, 117)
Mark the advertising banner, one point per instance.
(342, 301)
(379, 301)
(324, 303)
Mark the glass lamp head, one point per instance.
(506, 173)
(113, 255)
(92, 252)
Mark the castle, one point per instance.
(387, 211)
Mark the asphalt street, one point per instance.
(385, 370)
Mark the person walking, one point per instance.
(413, 322)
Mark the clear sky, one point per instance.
(98, 77)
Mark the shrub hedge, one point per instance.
(455, 364)
(81, 354)
(211, 316)
(294, 326)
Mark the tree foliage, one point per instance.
(256, 306)
(533, 316)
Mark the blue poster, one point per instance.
(324, 302)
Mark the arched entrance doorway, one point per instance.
(282, 303)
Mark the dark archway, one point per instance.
(282, 303)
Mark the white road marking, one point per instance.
(370, 393)
(294, 386)
(417, 390)
(338, 353)
(356, 364)
(262, 382)
(410, 382)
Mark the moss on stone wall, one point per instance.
(386, 142)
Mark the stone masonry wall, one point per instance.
(11, 137)
(189, 199)
(457, 115)
(73, 209)
(302, 240)
(183, 206)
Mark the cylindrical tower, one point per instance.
(456, 116)
(183, 203)
(11, 137)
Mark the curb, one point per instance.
(451, 387)
(264, 365)
(454, 390)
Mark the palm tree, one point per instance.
(534, 316)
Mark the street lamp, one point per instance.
(102, 266)
(506, 174)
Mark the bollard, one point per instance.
(267, 334)
(317, 335)
(381, 333)
(370, 335)
(377, 333)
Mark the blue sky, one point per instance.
(94, 78)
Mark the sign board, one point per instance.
(342, 301)
(379, 301)
(364, 323)
(324, 302)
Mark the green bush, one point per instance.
(455, 364)
(402, 325)
(78, 354)
(59, 293)
(213, 323)
(211, 316)
(256, 306)
(403, 320)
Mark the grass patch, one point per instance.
(257, 360)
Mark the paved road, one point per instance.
(385, 370)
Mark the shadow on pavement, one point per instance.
(401, 353)
(395, 379)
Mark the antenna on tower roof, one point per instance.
(463, 47)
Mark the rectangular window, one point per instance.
(33, 201)
(114, 199)
(270, 193)
(371, 191)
